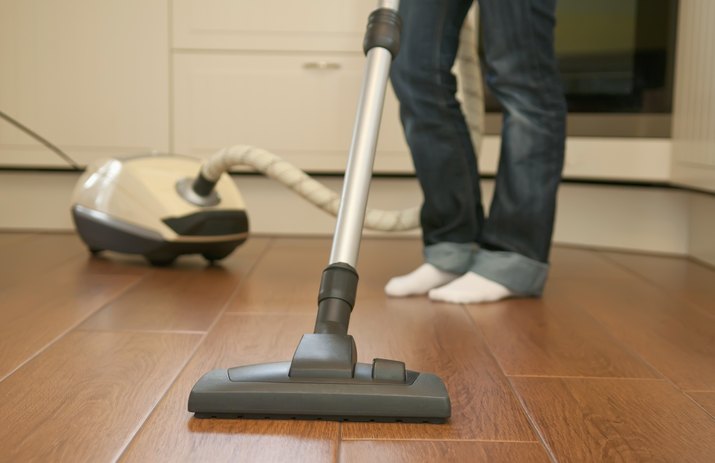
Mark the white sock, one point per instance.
(470, 288)
(420, 281)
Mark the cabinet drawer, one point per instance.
(299, 107)
(326, 25)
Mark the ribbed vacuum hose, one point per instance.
(291, 176)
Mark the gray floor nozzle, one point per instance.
(267, 391)
(324, 379)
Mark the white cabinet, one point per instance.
(694, 106)
(315, 25)
(91, 76)
(300, 106)
(281, 75)
(191, 76)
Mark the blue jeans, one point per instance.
(510, 246)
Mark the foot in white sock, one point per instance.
(470, 288)
(420, 281)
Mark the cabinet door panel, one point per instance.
(300, 107)
(92, 77)
(271, 24)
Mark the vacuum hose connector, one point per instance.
(336, 298)
(291, 176)
(383, 30)
(203, 186)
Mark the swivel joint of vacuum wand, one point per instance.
(383, 30)
(336, 298)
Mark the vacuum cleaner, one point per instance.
(324, 379)
(147, 205)
(157, 206)
(162, 206)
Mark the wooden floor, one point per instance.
(97, 356)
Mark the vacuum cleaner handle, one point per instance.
(381, 44)
(338, 285)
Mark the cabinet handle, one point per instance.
(321, 65)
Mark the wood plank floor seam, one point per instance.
(587, 420)
(632, 350)
(493, 441)
(336, 455)
(139, 330)
(664, 376)
(534, 427)
(189, 357)
(595, 378)
(78, 253)
(159, 398)
(440, 451)
(546, 336)
(622, 344)
(255, 313)
(66, 332)
(659, 288)
(699, 405)
(87, 389)
(616, 341)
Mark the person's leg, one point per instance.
(439, 140)
(522, 72)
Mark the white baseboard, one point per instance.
(36, 200)
(702, 227)
(622, 217)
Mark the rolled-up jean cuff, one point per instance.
(450, 257)
(523, 276)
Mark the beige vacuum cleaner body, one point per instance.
(145, 205)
